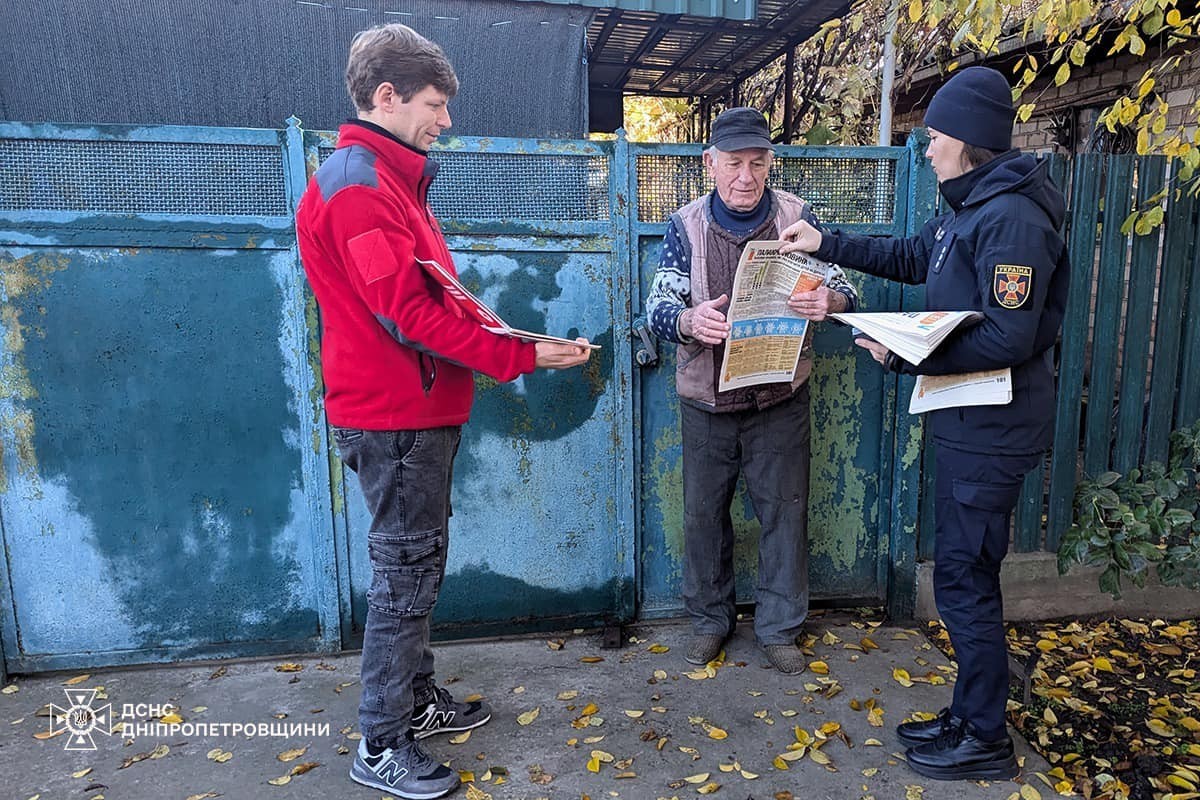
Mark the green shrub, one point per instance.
(1125, 523)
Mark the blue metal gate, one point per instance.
(160, 492)
(167, 487)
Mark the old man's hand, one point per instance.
(817, 304)
(706, 322)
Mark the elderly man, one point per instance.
(761, 431)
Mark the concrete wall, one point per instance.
(1033, 590)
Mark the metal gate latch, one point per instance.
(646, 353)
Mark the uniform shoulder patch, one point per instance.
(1012, 285)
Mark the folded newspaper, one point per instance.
(912, 335)
(767, 336)
(477, 310)
(989, 388)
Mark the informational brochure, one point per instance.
(477, 310)
(766, 338)
(912, 335)
(988, 388)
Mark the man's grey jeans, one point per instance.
(405, 478)
(771, 450)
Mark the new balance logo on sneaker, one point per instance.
(444, 714)
(405, 771)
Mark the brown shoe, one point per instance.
(703, 648)
(786, 658)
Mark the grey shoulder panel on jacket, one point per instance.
(347, 166)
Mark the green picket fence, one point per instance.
(1129, 355)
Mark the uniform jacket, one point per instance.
(998, 251)
(395, 352)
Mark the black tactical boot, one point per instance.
(912, 734)
(959, 754)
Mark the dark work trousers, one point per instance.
(405, 478)
(976, 494)
(770, 448)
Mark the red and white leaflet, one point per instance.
(477, 310)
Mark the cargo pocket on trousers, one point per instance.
(406, 572)
(404, 591)
(987, 532)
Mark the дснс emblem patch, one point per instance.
(1012, 285)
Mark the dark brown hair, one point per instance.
(975, 156)
(398, 55)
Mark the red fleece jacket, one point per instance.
(395, 351)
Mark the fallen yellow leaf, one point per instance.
(590, 708)
(475, 793)
(291, 755)
(76, 680)
(460, 738)
(529, 716)
(288, 667)
(300, 769)
(902, 677)
(709, 788)
(716, 733)
(699, 777)
(568, 695)
(819, 667)
(658, 648)
(81, 773)
(12, 688)
(593, 764)
(634, 714)
(591, 659)
(281, 780)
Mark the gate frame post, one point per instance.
(909, 434)
(325, 570)
(622, 216)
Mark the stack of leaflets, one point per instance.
(476, 309)
(990, 388)
(912, 335)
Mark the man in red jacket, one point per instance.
(398, 359)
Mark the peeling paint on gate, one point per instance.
(20, 275)
(842, 515)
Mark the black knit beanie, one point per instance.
(976, 107)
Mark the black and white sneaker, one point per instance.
(444, 714)
(404, 771)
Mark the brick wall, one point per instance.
(1078, 102)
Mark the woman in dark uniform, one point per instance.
(998, 250)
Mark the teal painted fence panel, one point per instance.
(1109, 305)
(1143, 272)
(156, 447)
(1081, 242)
(1177, 259)
(542, 531)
